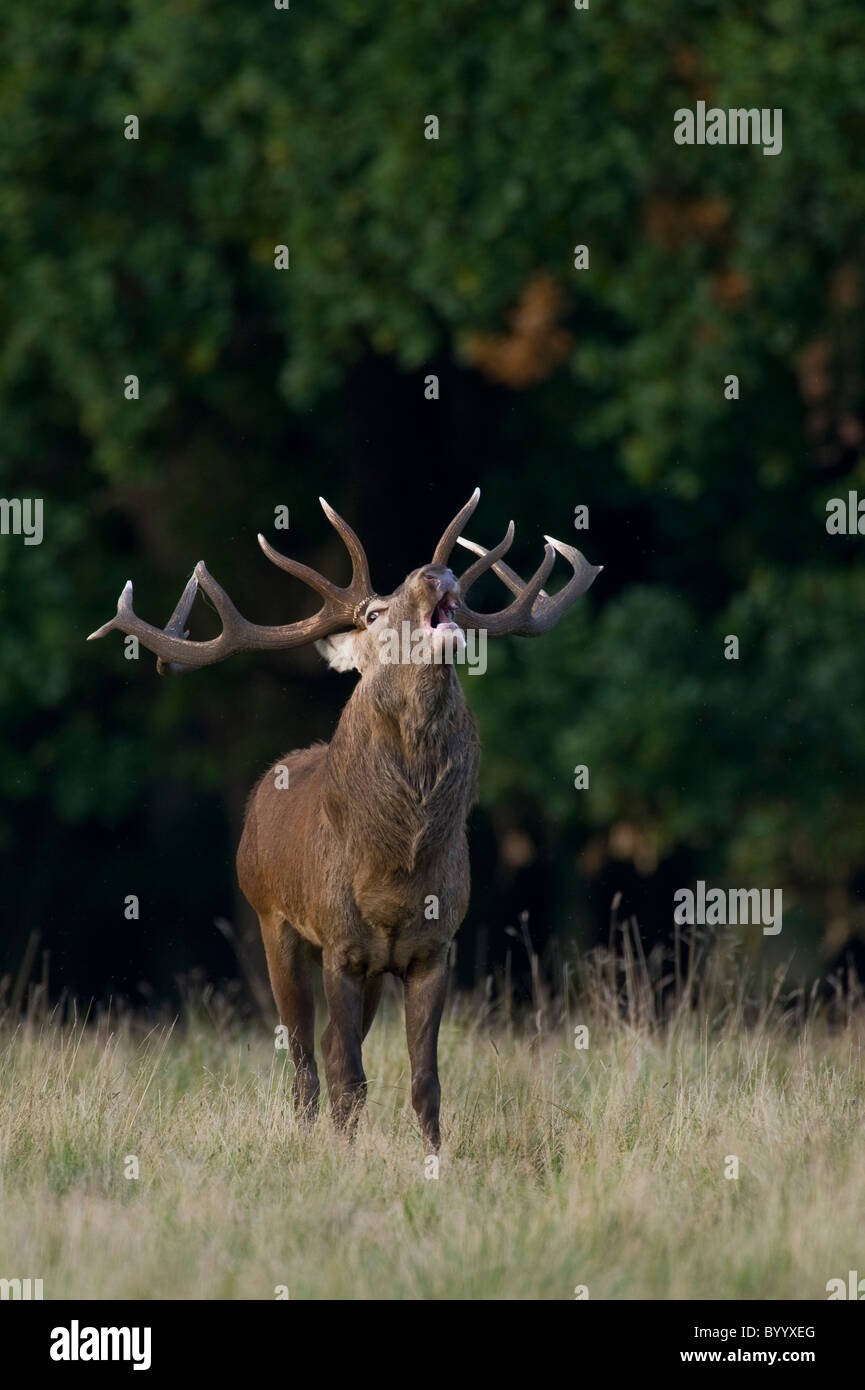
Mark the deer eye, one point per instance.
(376, 613)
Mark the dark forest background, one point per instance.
(558, 388)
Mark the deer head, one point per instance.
(347, 628)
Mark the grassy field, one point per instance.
(602, 1167)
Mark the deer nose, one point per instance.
(438, 578)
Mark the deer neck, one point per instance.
(410, 713)
(402, 751)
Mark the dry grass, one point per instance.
(603, 1167)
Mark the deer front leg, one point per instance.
(341, 1041)
(425, 987)
(290, 969)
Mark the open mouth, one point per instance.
(442, 614)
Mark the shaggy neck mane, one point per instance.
(401, 766)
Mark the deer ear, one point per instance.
(340, 651)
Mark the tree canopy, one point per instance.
(606, 386)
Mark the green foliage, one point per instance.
(762, 759)
(261, 127)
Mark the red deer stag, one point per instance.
(355, 852)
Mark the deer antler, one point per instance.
(533, 610)
(341, 609)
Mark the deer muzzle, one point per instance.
(443, 588)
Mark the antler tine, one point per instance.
(176, 627)
(487, 558)
(442, 552)
(360, 586)
(328, 591)
(503, 571)
(360, 580)
(547, 612)
(531, 619)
